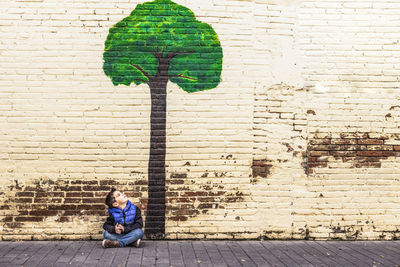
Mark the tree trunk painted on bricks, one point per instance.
(162, 41)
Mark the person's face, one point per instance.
(120, 199)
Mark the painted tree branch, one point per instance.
(145, 73)
(183, 77)
(157, 55)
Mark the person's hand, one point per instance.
(119, 228)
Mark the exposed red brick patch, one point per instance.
(363, 150)
(186, 200)
(261, 168)
(63, 199)
(178, 175)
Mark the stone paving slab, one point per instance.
(201, 253)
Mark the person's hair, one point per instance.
(110, 199)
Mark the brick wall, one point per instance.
(299, 140)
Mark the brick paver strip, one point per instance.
(135, 257)
(149, 253)
(57, 250)
(374, 251)
(290, 248)
(18, 250)
(83, 253)
(6, 247)
(189, 257)
(94, 256)
(175, 253)
(227, 254)
(121, 257)
(9, 252)
(253, 254)
(44, 250)
(162, 253)
(396, 245)
(273, 260)
(323, 258)
(201, 253)
(327, 255)
(351, 256)
(213, 253)
(278, 250)
(305, 258)
(361, 253)
(70, 252)
(388, 251)
(107, 257)
(239, 253)
(26, 254)
(316, 257)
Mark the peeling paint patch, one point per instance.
(178, 175)
(346, 232)
(261, 168)
(185, 199)
(362, 150)
(61, 199)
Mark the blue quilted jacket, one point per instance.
(125, 216)
(130, 218)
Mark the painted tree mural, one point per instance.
(162, 41)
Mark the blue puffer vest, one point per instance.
(124, 216)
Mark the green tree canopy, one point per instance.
(163, 29)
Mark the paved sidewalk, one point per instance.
(202, 253)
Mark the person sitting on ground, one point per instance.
(124, 225)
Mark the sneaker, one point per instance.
(137, 243)
(110, 243)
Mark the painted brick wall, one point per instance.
(299, 140)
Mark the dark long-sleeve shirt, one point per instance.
(109, 225)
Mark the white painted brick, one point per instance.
(292, 72)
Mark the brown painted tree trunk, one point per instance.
(156, 207)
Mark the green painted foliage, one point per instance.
(166, 28)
